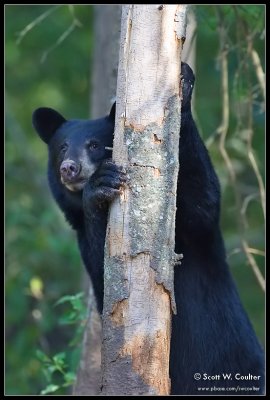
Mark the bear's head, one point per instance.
(76, 147)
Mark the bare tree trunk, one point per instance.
(104, 77)
(106, 54)
(89, 372)
(139, 251)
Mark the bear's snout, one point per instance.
(69, 170)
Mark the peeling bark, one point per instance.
(139, 250)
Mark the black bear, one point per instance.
(214, 349)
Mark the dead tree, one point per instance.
(139, 250)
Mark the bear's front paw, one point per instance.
(105, 184)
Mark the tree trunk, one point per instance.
(89, 372)
(106, 54)
(105, 65)
(139, 250)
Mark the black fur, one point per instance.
(211, 333)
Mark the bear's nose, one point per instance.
(69, 169)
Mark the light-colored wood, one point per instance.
(139, 249)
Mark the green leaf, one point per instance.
(70, 378)
(42, 357)
(69, 298)
(59, 362)
(50, 389)
(59, 357)
(69, 318)
(77, 304)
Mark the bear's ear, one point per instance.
(112, 112)
(46, 121)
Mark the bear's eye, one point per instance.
(93, 145)
(63, 147)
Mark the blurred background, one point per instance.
(49, 55)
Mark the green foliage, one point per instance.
(42, 258)
(246, 118)
(53, 365)
(77, 316)
(59, 370)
